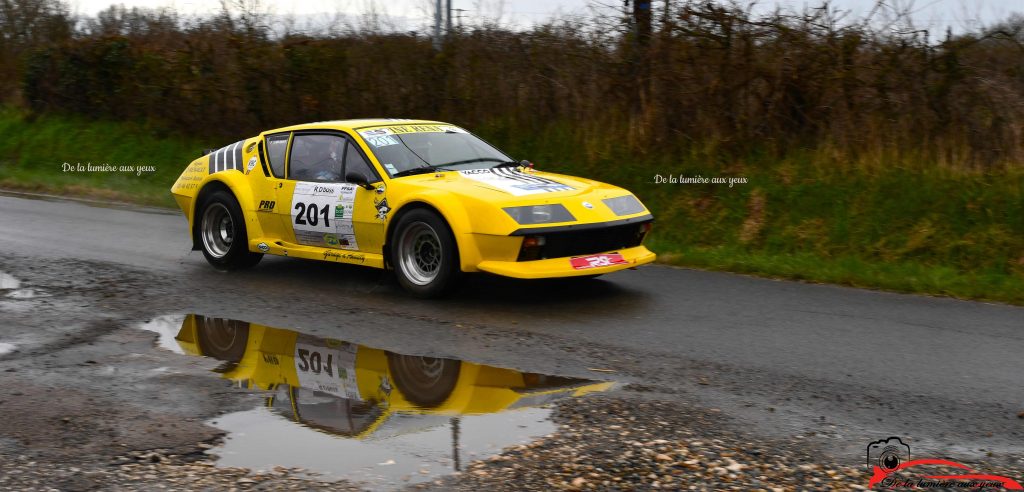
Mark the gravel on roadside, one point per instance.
(153, 471)
(613, 443)
(603, 442)
(608, 442)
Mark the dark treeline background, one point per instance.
(710, 77)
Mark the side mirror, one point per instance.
(356, 177)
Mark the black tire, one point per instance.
(424, 254)
(424, 381)
(221, 233)
(222, 339)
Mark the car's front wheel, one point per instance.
(222, 233)
(424, 254)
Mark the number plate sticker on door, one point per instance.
(327, 366)
(595, 261)
(322, 214)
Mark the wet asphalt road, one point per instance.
(840, 367)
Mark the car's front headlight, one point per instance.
(624, 205)
(539, 214)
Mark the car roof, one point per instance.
(355, 124)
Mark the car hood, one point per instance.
(505, 187)
(483, 191)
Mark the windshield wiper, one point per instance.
(478, 159)
(507, 164)
(420, 170)
(427, 168)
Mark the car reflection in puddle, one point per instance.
(342, 410)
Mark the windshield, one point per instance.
(401, 148)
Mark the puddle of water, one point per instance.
(418, 449)
(8, 282)
(343, 410)
(25, 294)
(6, 348)
(167, 327)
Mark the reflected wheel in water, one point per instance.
(424, 381)
(222, 339)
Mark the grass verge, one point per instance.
(903, 276)
(36, 154)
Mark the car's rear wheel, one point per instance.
(222, 339)
(222, 233)
(424, 254)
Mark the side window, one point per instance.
(276, 147)
(316, 158)
(354, 161)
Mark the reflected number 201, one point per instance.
(312, 361)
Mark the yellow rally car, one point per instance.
(428, 199)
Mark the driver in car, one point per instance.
(328, 167)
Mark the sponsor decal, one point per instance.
(251, 165)
(397, 130)
(888, 461)
(596, 261)
(382, 208)
(266, 206)
(190, 178)
(263, 247)
(382, 141)
(327, 366)
(376, 132)
(336, 256)
(400, 129)
(514, 182)
(314, 214)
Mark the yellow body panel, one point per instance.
(556, 267)
(488, 239)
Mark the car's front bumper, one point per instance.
(562, 267)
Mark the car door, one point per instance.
(322, 209)
(273, 153)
